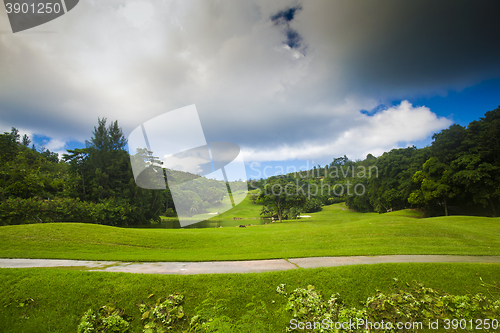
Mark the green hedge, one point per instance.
(33, 210)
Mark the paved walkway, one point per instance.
(248, 266)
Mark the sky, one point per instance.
(293, 83)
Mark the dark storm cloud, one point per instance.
(285, 16)
(243, 65)
(293, 39)
(441, 40)
(283, 19)
(399, 47)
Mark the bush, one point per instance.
(107, 319)
(36, 210)
(313, 205)
(412, 304)
(163, 315)
(404, 303)
(170, 213)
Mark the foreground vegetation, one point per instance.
(61, 297)
(335, 231)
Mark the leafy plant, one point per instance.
(413, 303)
(164, 315)
(308, 305)
(106, 319)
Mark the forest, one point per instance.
(93, 184)
(458, 174)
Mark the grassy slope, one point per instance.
(245, 209)
(62, 296)
(331, 232)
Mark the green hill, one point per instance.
(335, 231)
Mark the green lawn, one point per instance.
(335, 231)
(62, 296)
(245, 209)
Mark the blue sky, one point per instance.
(461, 107)
(466, 105)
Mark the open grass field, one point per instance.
(62, 296)
(335, 231)
(245, 209)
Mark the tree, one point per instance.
(479, 178)
(312, 206)
(281, 195)
(77, 161)
(435, 181)
(109, 169)
(478, 164)
(50, 156)
(448, 143)
(339, 161)
(102, 173)
(8, 150)
(392, 186)
(14, 132)
(26, 140)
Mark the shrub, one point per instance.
(412, 304)
(36, 210)
(107, 319)
(163, 315)
(313, 205)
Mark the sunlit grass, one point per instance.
(62, 296)
(334, 231)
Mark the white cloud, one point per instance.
(395, 127)
(122, 60)
(54, 144)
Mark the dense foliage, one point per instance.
(409, 308)
(94, 184)
(457, 174)
(106, 319)
(406, 307)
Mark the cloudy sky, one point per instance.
(288, 81)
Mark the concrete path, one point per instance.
(248, 266)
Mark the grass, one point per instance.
(62, 296)
(245, 209)
(334, 231)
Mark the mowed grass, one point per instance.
(245, 209)
(62, 296)
(335, 231)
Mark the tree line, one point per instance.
(457, 174)
(93, 184)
